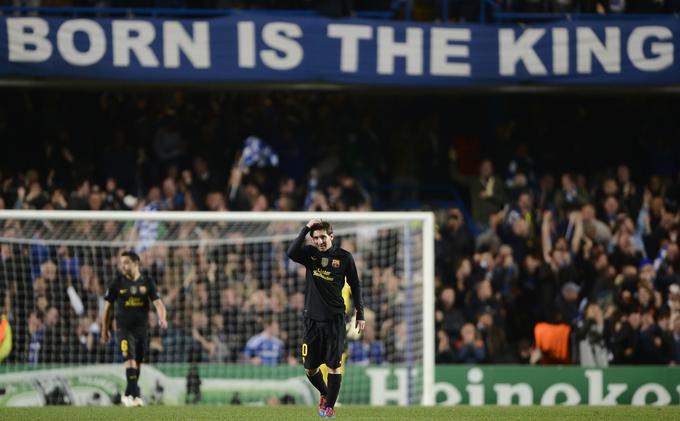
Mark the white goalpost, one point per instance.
(225, 278)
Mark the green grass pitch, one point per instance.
(301, 413)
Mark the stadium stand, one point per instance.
(526, 239)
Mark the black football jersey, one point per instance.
(132, 299)
(326, 275)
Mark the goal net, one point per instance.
(234, 302)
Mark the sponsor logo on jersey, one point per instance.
(134, 302)
(323, 274)
(122, 291)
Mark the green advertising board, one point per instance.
(544, 385)
(374, 385)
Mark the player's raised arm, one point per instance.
(355, 286)
(296, 250)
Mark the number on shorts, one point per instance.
(304, 350)
(124, 346)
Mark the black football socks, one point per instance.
(137, 393)
(334, 381)
(317, 381)
(132, 389)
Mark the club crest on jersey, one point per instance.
(133, 290)
(142, 289)
(335, 263)
(324, 261)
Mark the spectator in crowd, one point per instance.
(82, 347)
(567, 304)
(266, 347)
(55, 287)
(369, 349)
(448, 316)
(570, 197)
(219, 342)
(396, 340)
(293, 323)
(592, 346)
(487, 191)
(52, 348)
(655, 348)
(494, 338)
(456, 241)
(676, 341)
(673, 301)
(201, 348)
(624, 341)
(445, 353)
(482, 298)
(470, 347)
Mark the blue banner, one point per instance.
(256, 48)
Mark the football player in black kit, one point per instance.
(132, 293)
(328, 267)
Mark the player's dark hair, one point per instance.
(132, 255)
(323, 226)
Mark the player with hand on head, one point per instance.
(132, 292)
(328, 267)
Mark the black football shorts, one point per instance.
(323, 342)
(133, 344)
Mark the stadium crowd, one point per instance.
(532, 265)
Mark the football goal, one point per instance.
(225, 279)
